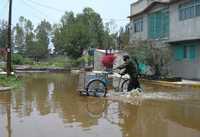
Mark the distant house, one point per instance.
(176, 22)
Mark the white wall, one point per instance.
(140, 35)
(185, 29)
(187, 68)
(138, 6)
(178, 30)
(144, 34)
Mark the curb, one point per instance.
(5, 89)
(42, 70)
(171, 84)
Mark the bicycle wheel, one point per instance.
(96, 88)
(124, 86)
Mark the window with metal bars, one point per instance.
(189, 9)
(158, 24)
(185, 51)
(138, 25)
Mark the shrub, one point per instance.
(152, 53)
(17, 59)
(28, 61)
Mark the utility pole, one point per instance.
(9, 46)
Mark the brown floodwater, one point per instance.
(49, 106)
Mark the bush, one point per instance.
(60, 61)
(80, 62)
(11, 81)
(152, 53)
(28, 61)
(17, 59)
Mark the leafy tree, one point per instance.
(23, 35)
(94, 24)
(3, 33)
(74, 34)
(29, 42)
(70, 37)
(61, 33)
(39, 48)
(123, 37)
(155, 54)
(17, 59)
(67, 19)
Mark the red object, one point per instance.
(108, 60)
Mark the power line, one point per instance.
(5, 8)
(36, 16)
(46, 6)
(35, 9)
(62, 11)
(4, 4)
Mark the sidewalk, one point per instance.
(183, 83)
(5, 89)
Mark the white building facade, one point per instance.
(176, 22)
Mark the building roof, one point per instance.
(152, 4)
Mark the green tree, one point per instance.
(23, 35)
(123, 37)
(62, 33)
(3, 33)
(94, 25)
(76, 33)
(153, 53)
(39, 48)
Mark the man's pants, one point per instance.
(133, 84)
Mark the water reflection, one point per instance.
(49, 106)
(5, 114)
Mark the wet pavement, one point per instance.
(50, 106)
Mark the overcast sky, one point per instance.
(52, 10)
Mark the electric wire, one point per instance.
(62, 11)
(36, 10)
(4, 8)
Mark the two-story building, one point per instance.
(176, 22)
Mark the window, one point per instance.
(179, 53)
(158, 24)
(138, 25)
(189, 9)
(198, 9)
(185, 52)
(192, 52)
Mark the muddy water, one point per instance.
(49, 106)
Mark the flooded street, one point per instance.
(50, 106)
